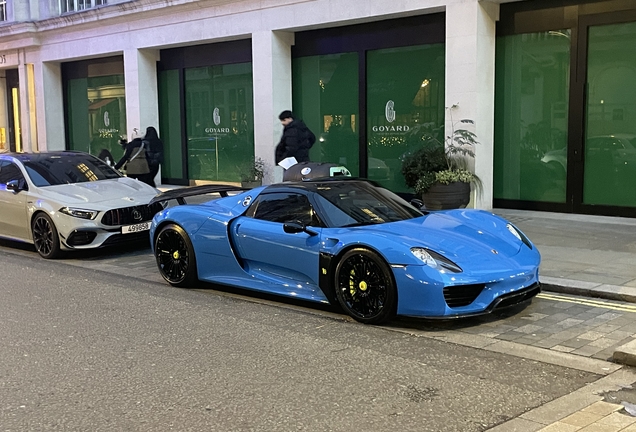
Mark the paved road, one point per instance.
(87, 349)
(585, 327)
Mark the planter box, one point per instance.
(447, 196)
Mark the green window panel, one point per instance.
(610, 143)
(170, 121)
(96, 114)
(325, 96)
(219, 121)
(405, 103)
(531, 116)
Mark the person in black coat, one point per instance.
(134, 159)
(154, 151)
(296, 141)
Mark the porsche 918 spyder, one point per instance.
(348, 242)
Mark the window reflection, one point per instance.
(610, 145)
(531, 116)
(220, 122)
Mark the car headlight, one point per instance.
(79, 213)
(513, 229)
(435, 260)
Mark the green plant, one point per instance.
(253, 170)
(440, 161)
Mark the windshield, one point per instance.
(355, 204)
(57, 169)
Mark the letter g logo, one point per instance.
(389, 112)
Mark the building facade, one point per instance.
(547, 84)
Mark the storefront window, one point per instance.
(170, 122)
(325, 96)
(610, 144)
(405, 101)
(96, 108)
(531, 116)
(220, 121)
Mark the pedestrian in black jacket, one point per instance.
(296, 141)
(154, 152)
(134, 159)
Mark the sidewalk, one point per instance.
(592, 256)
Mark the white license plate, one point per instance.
(135, 228)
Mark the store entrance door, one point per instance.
(10, 137)
(604, 158)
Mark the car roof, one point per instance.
(313, 184)
(35, 156)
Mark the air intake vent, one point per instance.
(462, 295)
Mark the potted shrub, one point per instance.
(252, 173)
(438, 170)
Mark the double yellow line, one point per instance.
(589, 302)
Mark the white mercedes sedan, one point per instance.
(71, 200)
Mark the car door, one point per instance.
(270, 253)
(13, 205)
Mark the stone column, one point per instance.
(28, 127)
(142, 96)
(271, 68)
(470, 81)
(50, 106)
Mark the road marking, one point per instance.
(588, 302)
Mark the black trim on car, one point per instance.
(326, 278)
(181, 193)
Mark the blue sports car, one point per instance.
(348, 242)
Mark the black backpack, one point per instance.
(154, 154)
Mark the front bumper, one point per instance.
(422, 293)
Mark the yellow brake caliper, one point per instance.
(352, 287)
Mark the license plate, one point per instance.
(135, 228)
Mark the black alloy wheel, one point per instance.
(365, 286)
(175, 256)
(45, 237)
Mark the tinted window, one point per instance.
(50, 170)
(10, 171)
(284, 207)
(362, 204)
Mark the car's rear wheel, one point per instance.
(45, 237)
(364, 286)
(175, 256)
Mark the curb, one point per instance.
(589, 289)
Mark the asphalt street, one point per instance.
(85, 349)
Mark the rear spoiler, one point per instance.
(180, 194)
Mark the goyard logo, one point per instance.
(389, 111)
(106, 119)
(216, 117)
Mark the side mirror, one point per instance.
(417, 203)
(295, 227)
(14, 185)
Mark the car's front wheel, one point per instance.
(175, 256)
(45, 237)
(364, 286)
